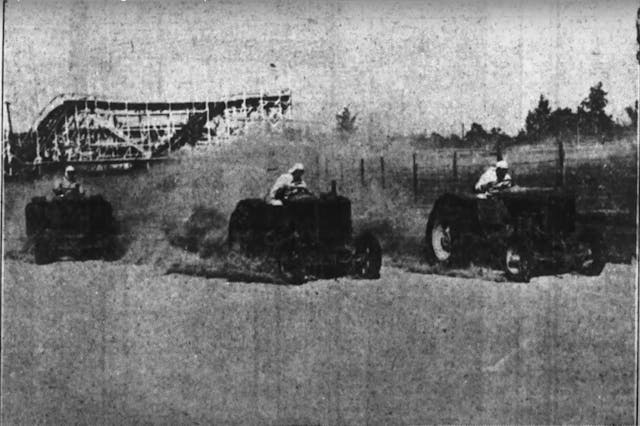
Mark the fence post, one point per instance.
(382, 170)
(362, 171)
(319, 171)
(415, 178)
(454, 167)
(561, 168)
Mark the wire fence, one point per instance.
(599, 181)
(603, 176)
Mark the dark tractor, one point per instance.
(307, 236)
(524, 231)
(80, 228)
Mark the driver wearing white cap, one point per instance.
(292, 180)
(68, 186)
(494, 178)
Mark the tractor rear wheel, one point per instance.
(291, 265)
(45, 248)
(35, 218)
(109, 251)
(238, 227)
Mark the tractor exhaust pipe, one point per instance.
(334, 191)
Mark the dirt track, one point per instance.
(101, 343)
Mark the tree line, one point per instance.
(588, 119)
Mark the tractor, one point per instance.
(307, 237)
(523, 231)
(80, 228)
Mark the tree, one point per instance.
(346, 122)
(455, 140)
(476, 134)
(632, 112)
(593, 118)
(521, 137)
(437, 139)
(562, 120)
(537, 122)
(500, 140)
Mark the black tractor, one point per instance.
(523, 231)
(80, 228)
(307, 237)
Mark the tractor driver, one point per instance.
(68, 186)
(494, 178)
(287, 184)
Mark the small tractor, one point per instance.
(80, 228)
(523, 231)
(307, 236)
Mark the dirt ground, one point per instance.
(115, 343)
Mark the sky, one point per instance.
(403, 66)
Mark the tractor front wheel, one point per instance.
(517, 263)
(440, 239)
(368, 256)
(591, 261)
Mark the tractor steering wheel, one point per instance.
(296, 193)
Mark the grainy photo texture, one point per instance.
(319, 213)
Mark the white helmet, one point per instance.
(296, 167)
(502, 165)
(69, 169)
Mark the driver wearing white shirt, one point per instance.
(286, 182)
(494, 178)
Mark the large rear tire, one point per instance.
(110, 250)
(368, 256)
(291, 272)
(291, 263)
(35, 217)
(238, 227)
(44, 248)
